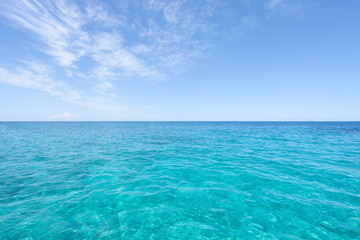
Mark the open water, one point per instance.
(180, 180)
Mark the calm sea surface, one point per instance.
(180, 180)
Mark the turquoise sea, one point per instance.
(180, 180)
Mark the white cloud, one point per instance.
(37, 76)
(98, 13)
(272, 4)
(63, 30)
(56, 24)
(172, 12)
(114, 61)
(180, 37)
(129, 64)
(64, 116)
(285, 7)
(91, 42)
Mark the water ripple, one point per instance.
(180, 180)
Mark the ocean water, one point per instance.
(180, 180)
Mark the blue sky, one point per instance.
(179, 60)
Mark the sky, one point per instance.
(171, 60)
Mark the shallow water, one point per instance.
(180, 180)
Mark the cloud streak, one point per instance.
(61, 28)
(272, 4)
(56, 25)
(285, 7)
(37, 76)
(92, 43)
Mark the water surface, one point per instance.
(180, 180)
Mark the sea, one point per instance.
(179, 180)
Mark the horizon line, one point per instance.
(74, 121)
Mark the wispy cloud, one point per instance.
(88, 41)
(64, 116)
(37, 76)
(272, 4)
(61, 28)
(41, 77)
(284, 7)
(56, 25)
(171, 36)
(70, 33)
(114, 61)
(246, 23)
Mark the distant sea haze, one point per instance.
(180, 180)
